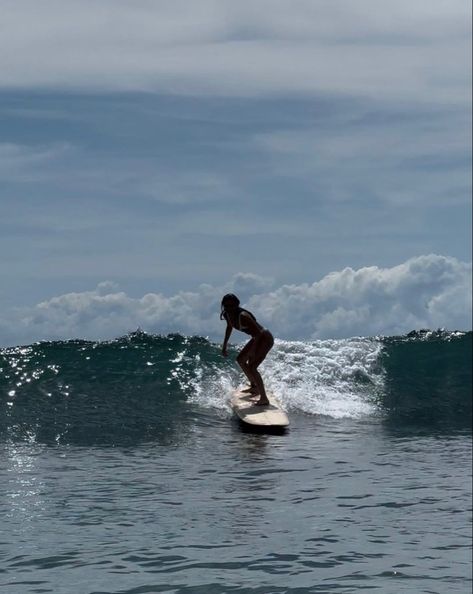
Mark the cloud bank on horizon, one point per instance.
(428, 291)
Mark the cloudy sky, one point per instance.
(313, 156)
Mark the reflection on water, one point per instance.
(23, 500)
(338, 503)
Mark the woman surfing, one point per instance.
(254, 352)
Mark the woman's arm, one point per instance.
(228, 331)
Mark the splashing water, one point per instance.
(139, 387)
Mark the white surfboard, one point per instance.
(270, 415)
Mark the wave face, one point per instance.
(428, 378)
(141, 387)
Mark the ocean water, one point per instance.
(122, 469)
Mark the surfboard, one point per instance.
(271, 415)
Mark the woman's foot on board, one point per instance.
(262, 402)
(251, 390)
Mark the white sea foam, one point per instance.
(337, 378)
(213, 390)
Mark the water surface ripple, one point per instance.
(336, 506)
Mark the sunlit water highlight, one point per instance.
(123, 471)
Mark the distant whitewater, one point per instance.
(142, 387)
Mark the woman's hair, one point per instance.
(228, 299)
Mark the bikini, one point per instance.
(238, 325)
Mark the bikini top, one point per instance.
(236, 321)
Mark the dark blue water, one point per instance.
(122, 469)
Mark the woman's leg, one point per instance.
(242, 361)
(261, 348)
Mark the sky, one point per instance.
(312, 156)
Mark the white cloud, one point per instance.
(27, 164)
(373, 300)
(407, 50)
(420, 159)
(187, 187)
(428, 291)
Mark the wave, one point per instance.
(428, 378)
(143, 387)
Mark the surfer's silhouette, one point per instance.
(255, 351)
